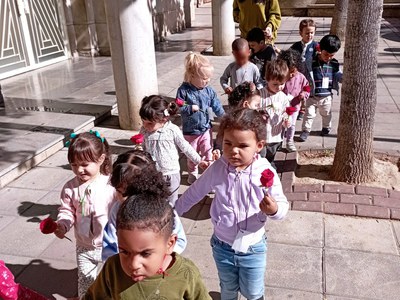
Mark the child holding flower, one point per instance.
(298, 87)
(274, 101)
(241, 206)
(198, 103)
(85, 202)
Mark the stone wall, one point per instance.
(87, 24)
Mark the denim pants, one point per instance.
(240, 272)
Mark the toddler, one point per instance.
(135, 172)
(307, 48)
(241, 69)
(274, 101)
(262, 53)
(298, 87)
(85, 202)
(199, 102)
(162, 139)
(245, 95)
(326, 77)
(241, 205)
(147, 266)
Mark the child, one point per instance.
(326, 76)
(200, 103)
(85, 202)
(245, 95)
(241, 69)
(134, 172)
(162, 140)
(307, 48)
(274, 101)
(146, 266)
(262, 53)
(241, 205)
(298, 87)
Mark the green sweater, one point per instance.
(250, 14)
(182, 282)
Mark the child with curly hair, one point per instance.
(245, 95)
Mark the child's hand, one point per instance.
(204, 164)
(268, 205)
(60, 231)
(301, 96)
(195, 108)
(228, 90)
(216, 154)
(286, 123)
(268, 33)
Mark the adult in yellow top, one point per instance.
(264, 14)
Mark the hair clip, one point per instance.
(98, 135)
(72, 136)
(166, 113)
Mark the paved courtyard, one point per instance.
(310, 255)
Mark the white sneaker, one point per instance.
(192, 178)
(290, 146)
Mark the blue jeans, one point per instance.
(240, 272)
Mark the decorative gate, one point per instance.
(30, 34)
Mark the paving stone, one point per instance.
(308, 206)
(24, 235)
(51, 278)
(395, 214)
(274, 293)
(387, 202)
(199, 251)
(394, 194)
(298, 228)
(40, 179)
(339, 188)
(63, 250)
(359, 199)
(297, 196)
(323, 197)
(362, 275)
(396, 226)
(359, 234)
(11, 199)
(203, 226)
(340, 208)
(373, 211)
(5, 220)
(302, 267)
(308, 187)
(367, 190)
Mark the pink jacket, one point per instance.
(295, 86)
(86, 208)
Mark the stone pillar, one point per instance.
(133, 57)
(223, 27)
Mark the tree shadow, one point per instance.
(46, 280)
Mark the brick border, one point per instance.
(338, 199)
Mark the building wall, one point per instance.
(87, 23)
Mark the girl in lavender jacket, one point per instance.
(241, 205)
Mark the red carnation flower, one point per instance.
(179, 102)
(48, 226)
(267, 178)
(307, 89)
(290, 110)
(137, 139)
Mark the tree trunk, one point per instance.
(353, 162)
(339, 20)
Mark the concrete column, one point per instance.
(223, 27)
(133, 57)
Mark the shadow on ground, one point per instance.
(46, 280)
(36, 212)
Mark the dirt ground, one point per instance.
(313, 167)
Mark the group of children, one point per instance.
(125, 215)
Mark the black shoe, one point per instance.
(325, 131)
(300, 116)
(304, 136)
